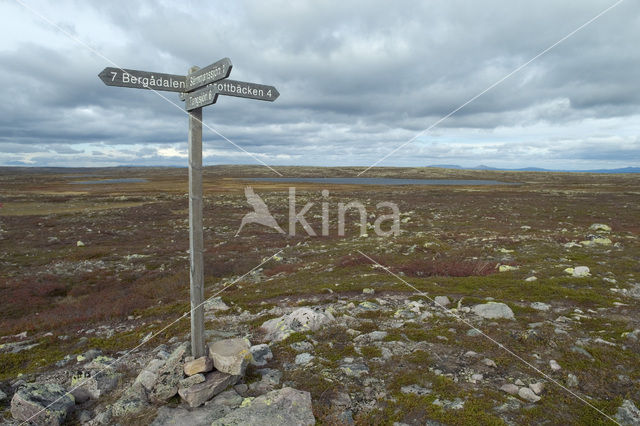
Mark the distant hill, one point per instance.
(538, 169)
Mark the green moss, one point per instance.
(371, 352)
(32, 360)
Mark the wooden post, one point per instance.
(195, 231)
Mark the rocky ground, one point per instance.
(494, 305)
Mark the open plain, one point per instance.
(101, 268)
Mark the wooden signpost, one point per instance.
(199, 88)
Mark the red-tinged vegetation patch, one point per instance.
(439, 267)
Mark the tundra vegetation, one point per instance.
(103, 266)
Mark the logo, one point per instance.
(260, 213)
(262, 216)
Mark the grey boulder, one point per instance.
(282, 407)
(493, 310)
(628, 413)
(42, 404)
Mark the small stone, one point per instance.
(260, 354)
(215, 304)
(600, 227)
(354, 369)
(506, 268)
(531, 279)
(554, 365)
(215, 382)
(79, 244)
(572, 380)
(539, 306)
(489, 362)
(519, 382)
(477, 377)
(537, 388)
(510, 388)
(304, 358)
(89, 355)
(415, 390)
(473, 332)
(96, 384)
(493, 310)
(147, 379)
(368, 291)
(581, 271)
(470, 354)
(301, 346)
(204, 364)
(528, 395)
(374, 336)
(241, 388)
(230, 356)
(187, 382)
(442, 301)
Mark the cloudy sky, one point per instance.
(356, 79)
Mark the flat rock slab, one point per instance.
(230, 356)
(203, 364)
(180, 416)
(42, 404)
(282, 407)
(200, 393)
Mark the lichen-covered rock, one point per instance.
(282, 407)
(260, 354)
(600, 227)
(528, 395)
(231, 356)
(132, 401)
(169, 376)
(93, 384)
(628, 413)
(300, 320)
(42, 404)
(493, 310)
(215, 382)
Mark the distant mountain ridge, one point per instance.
(537, 169)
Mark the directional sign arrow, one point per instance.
(209, 74)
(243, 89)
(143, 79)
(199, 98)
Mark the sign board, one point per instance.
(199, 98)
(209, 74)
(241, 89)
(143, 79)
(211, 82)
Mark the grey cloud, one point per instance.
(356, 78)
